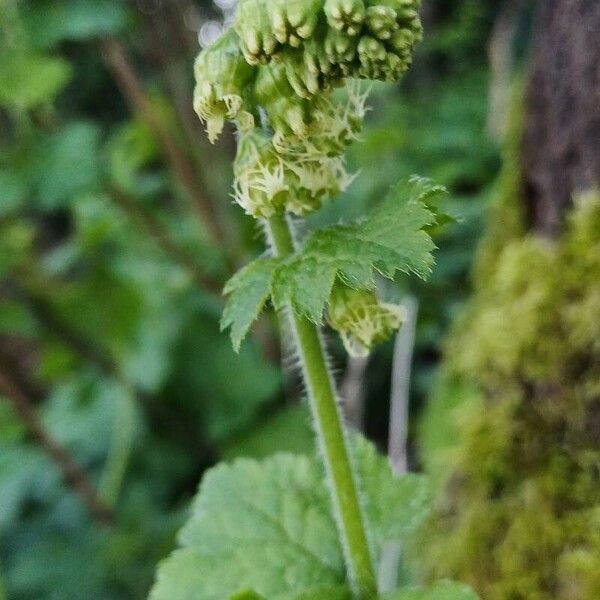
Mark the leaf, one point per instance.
(285, 430)
(248, 292)
(444, 590)
(391, 239)
(267, 526)
(28, 80)
(264, 526)
(66, 163)
(396, 506)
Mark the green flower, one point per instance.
(222, 80)
(361, 319)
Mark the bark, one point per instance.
(561, 148)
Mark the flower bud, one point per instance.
(339, 47)
(253, 25)
(222, 77)
(361, 319)
(346, 15)
(287, 111)
(294, 20)
(371, 51)
(381, 21)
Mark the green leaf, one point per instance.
(264, 526)
(248, 292)
(444, 590)
(395, 506)
(287, 430)
(66, 163)
(28, 80)
(391, 239)
(267, 526)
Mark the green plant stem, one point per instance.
(330, 432)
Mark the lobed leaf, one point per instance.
(267, 527)
(394, 506)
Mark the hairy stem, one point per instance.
(330, 432)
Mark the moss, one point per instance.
(518, 512)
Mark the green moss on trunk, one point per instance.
(518, 511)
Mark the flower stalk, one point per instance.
(329, 430)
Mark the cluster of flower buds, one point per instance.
(321, 42)
(282, 60)
(361, 319)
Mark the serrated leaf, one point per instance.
(391, 239)
(259, 525)
(267, 526)
(444, 590)
(248, 292)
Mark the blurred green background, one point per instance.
(117, 232)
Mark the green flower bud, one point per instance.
(253, 25)
(303, 72)
(339, 47)
(371, 51)
(222, 77)
(287, 112)
(381, 21)
(294, 20)
(402, 41)
(347, 16)
(361, 319)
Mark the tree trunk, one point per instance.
(561, 150)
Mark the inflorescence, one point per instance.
(279, 66)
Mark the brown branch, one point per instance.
(159, 233)
(73, 474)
(117, 61)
